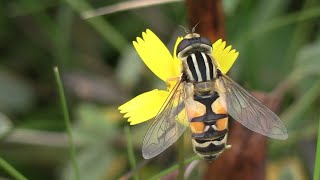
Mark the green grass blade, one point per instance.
(67, 122)
(316, 174)
(11, 170)
(174, 167)
(291, 114)
(108, 32)
(132, 159)
(282, 21)
(62, 38)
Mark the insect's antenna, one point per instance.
(194, 27)
(185, 29)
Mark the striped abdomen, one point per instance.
(209, 127)
(198, 67)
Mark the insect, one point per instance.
(202, 98)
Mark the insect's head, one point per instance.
(192, 43)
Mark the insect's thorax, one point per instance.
(198, 67)
(209, 126)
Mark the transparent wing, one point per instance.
(249, 111)
(170, 123)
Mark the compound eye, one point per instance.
(182, 45)
(205, 41)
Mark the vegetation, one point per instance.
(279, 45)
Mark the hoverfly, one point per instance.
(202, 98)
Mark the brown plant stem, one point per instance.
(246, 158)
(209, 15)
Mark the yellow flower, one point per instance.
(166, 66)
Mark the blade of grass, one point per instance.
(280, 22)
(62, 41)
(316, 174)
(11, 170)
(67, 122)
(302, 32)
(181, 157)
(132, 159)
(291, 115)
(174, 167)
(108, 32)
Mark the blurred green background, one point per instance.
(279, 45)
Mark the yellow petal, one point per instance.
(179, 39)
(225, 57)
(177, 64)
(156, 55)
(144, 106)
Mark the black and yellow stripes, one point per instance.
(209, 131)
(199, 67)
